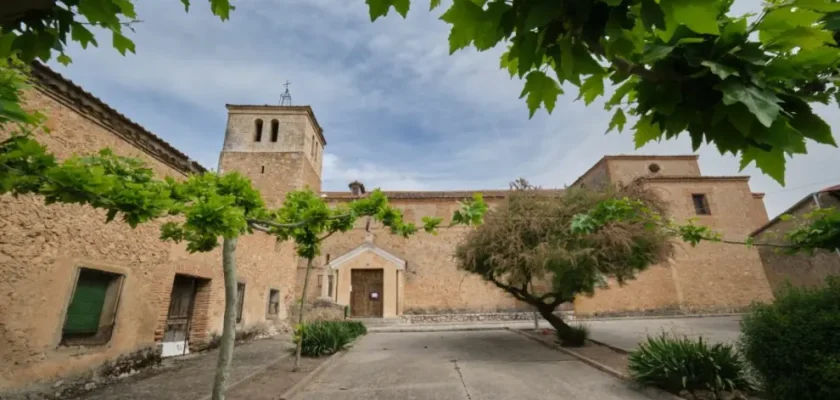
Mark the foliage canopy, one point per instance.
(679, 67)
(526, 248)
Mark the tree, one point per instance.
(308, 220)
(679, 66)
(525, 246)
(815, 230)
(38, 28)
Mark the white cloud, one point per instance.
(398, 111)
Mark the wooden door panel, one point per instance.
(364, 283)
(180, 309)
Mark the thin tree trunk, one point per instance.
(300, 314)
(562, 328)
(229, 329)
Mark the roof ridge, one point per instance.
(49, 80)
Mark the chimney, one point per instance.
(357, 188)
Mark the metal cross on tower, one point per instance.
(286, 97)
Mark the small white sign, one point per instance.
(171, 349)
(374, 295)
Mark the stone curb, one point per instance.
(438, 328)
(642, 317)
(609, 346)
(249, 376)
(318, 371)
(648, 391)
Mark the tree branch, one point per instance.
(628, 66)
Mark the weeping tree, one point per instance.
(526, 247)
(307, 220)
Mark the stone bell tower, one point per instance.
(279, 147)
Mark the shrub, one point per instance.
(327, 337)
(794, 343)
(675, 363)
(577, 338)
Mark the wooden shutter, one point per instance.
(86, 306)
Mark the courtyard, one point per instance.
(494, 364)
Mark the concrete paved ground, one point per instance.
(475, 365)
(627, 333)
(191, 377)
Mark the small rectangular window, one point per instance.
(240, 300)
(92, 309)
(330, 285)
(273, 303)
(701, 204)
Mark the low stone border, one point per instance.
(653, 316)
(318, 371)
(609, 346)
(460, 318)
(650, 392)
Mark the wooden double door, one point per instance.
(366, 297)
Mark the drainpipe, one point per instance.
(816, 198)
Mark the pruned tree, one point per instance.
(308, 220)
(745, 83)
(526, 248)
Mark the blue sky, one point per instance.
(398, 111)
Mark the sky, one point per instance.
(398, 111)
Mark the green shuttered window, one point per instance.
(90, 314)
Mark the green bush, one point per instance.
(577, 338)
(675, 363)
(356, 328)
(794, 343)
(327, 337)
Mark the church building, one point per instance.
(78, 293)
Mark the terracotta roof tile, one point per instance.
(445, 194)
(50, 80)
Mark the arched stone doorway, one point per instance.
(370, 280)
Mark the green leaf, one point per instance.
(540, 89)
(655, 53)
(646, 131)
(762, 103)
(652, 15)
(64, 59)
(541, 12)
(526, 49)
(698, 15)
(466, 19)
(592, 88)
(186, 4)
(618, 120)
(812, 126)
(221, 9)
(380, 8)
(126, 8)
(621, 92)
(818, 5)
(80, 34)
(434, 4)
(722, 71)
(508, 63)
(771, 163)
(741, 118)
(122, 43)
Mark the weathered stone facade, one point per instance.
(799, 269)
(43, 247)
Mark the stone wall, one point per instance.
(462, 318)
(708, 277)
(42, 248)
(798, 269)
(431, 279)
